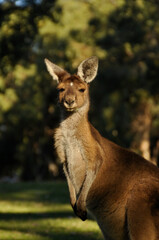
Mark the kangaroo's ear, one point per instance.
(87, 70)
(55, 71)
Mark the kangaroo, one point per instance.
(118, 187)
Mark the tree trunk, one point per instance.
(155, 153)
(141, 127)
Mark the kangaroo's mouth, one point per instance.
(70, 109)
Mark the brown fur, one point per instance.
(120, 188)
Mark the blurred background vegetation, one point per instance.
(124, 97)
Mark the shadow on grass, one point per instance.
(58, 235)
(51, 192)
(47, 232)
(34, 216)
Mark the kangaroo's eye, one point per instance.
(61, 89)
(82, 90)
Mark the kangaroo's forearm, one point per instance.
(71, 187)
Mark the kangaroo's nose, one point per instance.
(69, 101)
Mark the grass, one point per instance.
(41, 211)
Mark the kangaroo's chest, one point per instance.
(70, 151)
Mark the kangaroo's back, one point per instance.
(120, 188)
(126, 187)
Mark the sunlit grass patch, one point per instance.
(41, 211)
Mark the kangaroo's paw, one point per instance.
(80, 211)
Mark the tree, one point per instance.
(130, 40)
(25, 106)
(125, 100)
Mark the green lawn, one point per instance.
(41, 211)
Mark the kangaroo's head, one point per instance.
(74, 89)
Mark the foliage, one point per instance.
(123, 34)
(41, 211)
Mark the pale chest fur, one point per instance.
(71, 152)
